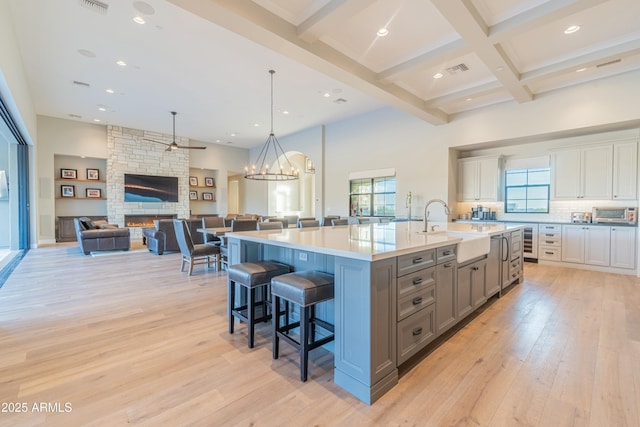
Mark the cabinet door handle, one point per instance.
(417, 331)
(417, 300)
(417, 280)
(446, 253)
(476, 268)
(417, 260)
(448, 265)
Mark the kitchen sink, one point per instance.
(472, 245)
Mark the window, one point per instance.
(373, 197)
(527, 190)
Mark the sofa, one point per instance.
(161, 237)
(100, 236)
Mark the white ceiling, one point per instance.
(209, 59)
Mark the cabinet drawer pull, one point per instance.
(549, 253)
(417, 280)
(514, 275)
(448, 265)
(417, 300)
(417, 260)
(446, 253)
(417, 331)
(548, 241)
(549, 235)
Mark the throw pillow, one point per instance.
(87, 223)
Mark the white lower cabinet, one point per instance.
(586, 244)
(623, 247)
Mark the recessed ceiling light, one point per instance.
(438, 75)
(285, 112)
(579, 70)
(572, 29)
(469, 99)
(110, 91)
(121, 63)
(139, 20)
(500, 68)
(102, 109)
(96, 120)
(326, 94)
(255, 125)
(233, 134)
(382, 32)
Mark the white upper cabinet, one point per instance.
(625, 167)
(479, 179)
(583, 172)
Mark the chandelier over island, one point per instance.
(280, 168)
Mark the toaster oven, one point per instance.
(614, 215)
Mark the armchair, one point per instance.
(100, 237)
(162, 237)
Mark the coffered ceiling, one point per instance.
(208, 59)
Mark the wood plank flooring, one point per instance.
(129, 340)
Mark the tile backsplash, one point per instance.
(559, 211)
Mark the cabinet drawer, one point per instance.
(514, 268)
(550, 228)
(553, 241)
(415, 332)
(416, 261)
(550, 253)
(415, 281)
(416, 301)
(446, 253)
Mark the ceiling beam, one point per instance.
(331, 16)
(467, 22)
(473, 92)
(536, 17)
(432, 58)
(252, 21)
(587, 60)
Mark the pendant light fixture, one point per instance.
(280, 168)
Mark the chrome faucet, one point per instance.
(426, 211)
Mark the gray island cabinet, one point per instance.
(395, 291)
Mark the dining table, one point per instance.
(214, 231)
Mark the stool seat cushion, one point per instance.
(253, 274)
(303, 287)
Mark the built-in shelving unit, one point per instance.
(79, 190)
(202, 191)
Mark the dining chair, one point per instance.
(307, 223)
(194, 253)
(236, 225)
(339, 221)
(275, 225)
(326, 221)
(212, 222)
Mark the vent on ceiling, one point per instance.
(95, 5)
(75, 116)
(340, 101)
(604, 64)
(457, 69)
(83, 84)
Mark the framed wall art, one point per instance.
(93, 174)
(94, 193)
(68, 190)
(193, 195)
(209, 182)
(69, 173)
(193, 181)
(207, 196)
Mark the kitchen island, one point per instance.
(386, 296)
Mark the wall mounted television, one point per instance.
(150, 188)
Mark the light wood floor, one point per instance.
(128, 339)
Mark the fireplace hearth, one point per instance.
(144, 220)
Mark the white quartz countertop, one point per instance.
(373, 241)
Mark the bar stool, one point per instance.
(250, 276)
(305, 289)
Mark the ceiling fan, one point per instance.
(174, 145)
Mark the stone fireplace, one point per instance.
(128, 152)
